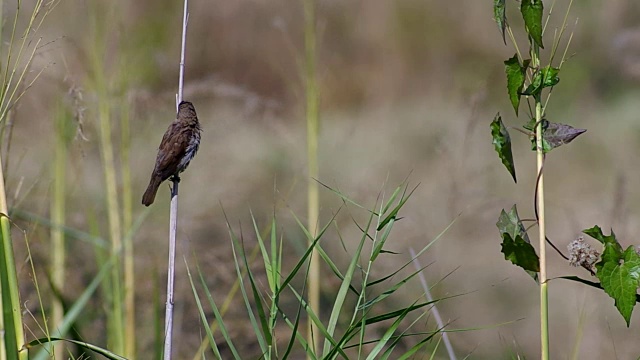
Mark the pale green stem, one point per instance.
(127, 210)
(11, 311)
(544, 299)
(58, 254)
(313, 204)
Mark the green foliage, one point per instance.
(516, 74)
(546, 77)
(502, 144)
(618, 271)
(96, 349)
(532, 14)
(516, 245)
(500, 16)
(520, 253)
(356, 305)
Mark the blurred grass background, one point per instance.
(407, 87)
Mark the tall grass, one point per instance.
(313, 200)
(109, 84)
(19, 54)
(58, 211)
(365, 330)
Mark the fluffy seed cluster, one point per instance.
(581, 254)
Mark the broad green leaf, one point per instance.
(550, 76)
(596, 233)
(509, 223)
(620, 280)
(546, 77)
(502, 144)
(514, 236)
(612, 249)
(516, 73)
(536, 85)
(520, 253)
(532, 14)
(500, 16)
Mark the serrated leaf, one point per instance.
(545, 77)
(612, 249)
(550, 76)
(532, 14)
(516, 74)
(509, 223)
(620, 279)
(514, 238)
(536, 85)
(520, 253)
(596, 233)
(502, 144)
(500, 16)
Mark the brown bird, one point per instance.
(178, 146)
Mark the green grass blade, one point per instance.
(265, 255)
(104, 352)
(245, 297)
(328, 337)
(344, 287)
(203, 317)
(388, 334)
(394, 212)
(71, 316)
(389, 291)
(13, 328)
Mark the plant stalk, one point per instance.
(58, 218)
(544, 300)
(313, 204)
(173, 220)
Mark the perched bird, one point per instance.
(178, 146)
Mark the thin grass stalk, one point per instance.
(115, 317)
(113, 216)
(127, 222)
(173, 217)
(58, 211)
(313, 205)
(13, 330)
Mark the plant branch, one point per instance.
(173, 221)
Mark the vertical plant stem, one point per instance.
(100, 83)
(127, 222)
(168, 319)
(58, 218)
(313, 204)
(173, 218)
(544, 299)
(113, 215)
(13, 332)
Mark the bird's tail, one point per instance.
(150, 195)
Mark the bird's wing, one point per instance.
(171, 150)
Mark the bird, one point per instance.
(179, 145)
